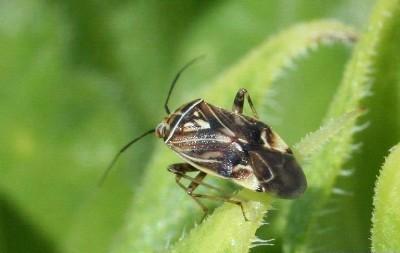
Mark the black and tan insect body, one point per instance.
(233, 146)
(229, 145)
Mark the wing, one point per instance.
(278, 173)
(207, 150)
(252, 131)
(231, 123)
(200, 138)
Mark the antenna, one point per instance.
(122, 150)
(176, 79)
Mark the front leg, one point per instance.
(239, 101)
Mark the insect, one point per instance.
(229, 145)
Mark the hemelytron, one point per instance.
(229, 145)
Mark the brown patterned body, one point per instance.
(233, 146)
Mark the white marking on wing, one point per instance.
(243, 140)
(180, 119)
(237, 146)
(212, 154)
(203, 124)
(189, 127)
(195, 159)
(264, 138)
(270, 171)
(250, 182)
(220, 139)
(279, 144)
(204, 169)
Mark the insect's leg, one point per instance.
(197, 181)
(223, 198)
(239, 101)
(180, 170)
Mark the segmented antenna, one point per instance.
(176, 79)
(122, 150)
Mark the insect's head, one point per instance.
(162, 130)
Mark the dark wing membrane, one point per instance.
(240, 126)
(218, 119)
(278, 173)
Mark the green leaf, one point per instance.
(386, 217)
(302, 227)
(154, 217)
(226, 230)
(313, 142)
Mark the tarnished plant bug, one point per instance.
(226, 144)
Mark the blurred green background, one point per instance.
(81, 78)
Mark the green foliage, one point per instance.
(213, 235)
(80, 78)
(386, 218)
(302, 229)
